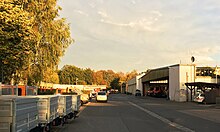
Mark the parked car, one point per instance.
(200, 98)
(93, 95)
(150, 92)
(137, 93)
(101, 96)
(157, 92)
(84, 98)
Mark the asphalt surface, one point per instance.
(127, 113)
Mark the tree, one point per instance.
(71, 75)
(131, 75)
(98, 78)
(53, 33)
(32, 39)
(115, 84)
(51, 76)
(17, 39)
(88, 74)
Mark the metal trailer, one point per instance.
(18, 114)
(65, 107)
(76, 103)
(47, 110)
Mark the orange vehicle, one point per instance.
(20, 90)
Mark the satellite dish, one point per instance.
(192, 59)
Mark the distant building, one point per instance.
(123, 87)
(210, 73)
(135, 84)
(65, 88)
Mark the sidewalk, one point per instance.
(204, 111)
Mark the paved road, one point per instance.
(124, 113)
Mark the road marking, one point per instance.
(173, 124)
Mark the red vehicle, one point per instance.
(158, 92)
(150, 92)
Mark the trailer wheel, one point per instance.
(47, 128)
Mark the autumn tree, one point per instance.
(88, 76)
(33, 38)
(70, 74)
(121, 78)
(98, 78)
(51, 76)
(115, 84)
(17, 39)
(131, 75)
(53, 32)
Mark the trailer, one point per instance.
(65, 107)
(47, 110)
(18, 114)
(76, 103)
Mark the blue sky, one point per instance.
(123, 35)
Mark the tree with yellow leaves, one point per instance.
(33, 39)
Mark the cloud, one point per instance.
(93, 5)
(81, 12)
(203, 55)
(103, 14)
(140, 24)
(133, 2)
(155, 33)
(207, 50)
(158, 13)
(145, 23)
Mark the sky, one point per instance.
(126, 35)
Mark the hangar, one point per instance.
(170, 79)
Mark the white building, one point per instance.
(135, 84)
(178, 76)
